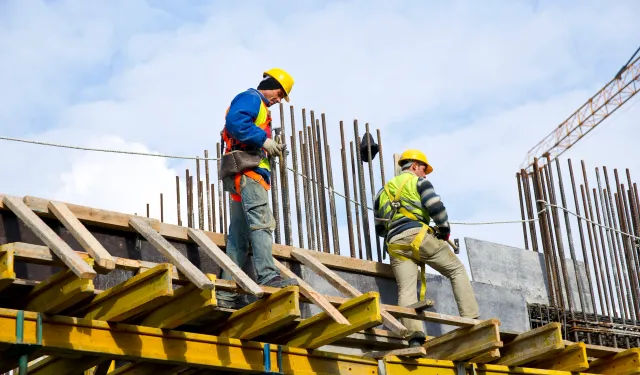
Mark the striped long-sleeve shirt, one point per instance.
(429, 199)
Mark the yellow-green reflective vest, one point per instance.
(402, 189)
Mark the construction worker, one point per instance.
(403, 209)
(248, 128)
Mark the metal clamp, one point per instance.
(461, 368)
(267, 361)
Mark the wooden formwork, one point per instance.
(165, 319)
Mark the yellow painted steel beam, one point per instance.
(428, 366)
(188, 303)
(264, 315)
(60, 292)
(65, 335)
(572, 358)
(138, 294)
(362, 312)
(466, 342)
(7, 274)
(623, 363)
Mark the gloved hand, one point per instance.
(443, 233)
(272, 147)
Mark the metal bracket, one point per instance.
(267, 361)
(461, 370)
(20, 349)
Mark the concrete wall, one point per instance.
(520, 270)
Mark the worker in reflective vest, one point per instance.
(403, 209)
(248, 127)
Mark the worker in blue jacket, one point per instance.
(248, 127)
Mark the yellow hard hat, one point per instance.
(284, 78)
(416, 155)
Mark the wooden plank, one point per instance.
(344, 287)
(573, 358)
(487, 357)
(421, 305)
(214, 252)
(187, 304)
(103, 260)
(317, 298)
(626, 362)
(466, 342)
(264, 316)
(537, 344)
(59, 292)
(7, 274)
(598, 351)
(362, 312)
(175, 257)
(50, 238)
(141, 293)
(120, 221)
(406, 352)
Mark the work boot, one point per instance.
(416, 339)
(279, 282)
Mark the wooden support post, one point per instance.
(362, 312)
(344, 287)
(103, 260)
(7, 274)
(537, 344)
(214, 252)
(263, 316)
(317, 298)
(165, 248)
(50, 238)
(573, 358)
(465, 343)
(188, 303)
(59, 292)
(138, 294)
(624, 363)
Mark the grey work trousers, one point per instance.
(438, 255)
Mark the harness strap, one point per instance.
(253, 175)
(414, 247)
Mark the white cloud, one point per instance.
(473, 86)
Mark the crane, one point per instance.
(600, 106)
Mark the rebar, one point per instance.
(147, 209)
(371, 184)
(178, 200)
(355, 199)
(200, 197)
(274, 198)
(210, 226)
(296, 186)
(553, 260)
(347, 201)
(221, 203)
(161, 208)
(521, 199)
(308, 193)
(213, 207)
(363, 194)
(311, 162)
(332, 197)
(189, 207)
(284, 180)
(315, 125)
(382, 179)
(530, 214)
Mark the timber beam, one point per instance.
(263, 316)
(60, 335)
(465, 343)
(573, 358)
(7, 273)
(362, 312)
(535, 345)
(623, 363)
(60, 292)
(135, 296)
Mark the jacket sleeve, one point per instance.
(431, 201)
(239, 121)
(379, 225)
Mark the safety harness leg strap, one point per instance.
(254, 176)
(414, 247)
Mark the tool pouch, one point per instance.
(238, 161)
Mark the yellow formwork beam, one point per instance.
(535, 345)
(60, 292)
(7, 273)
(572, 358)
(138, 294)
(623, 363)
(465, 342)
(264, 316)
(188, 303)
(362, 312)
(78, 336)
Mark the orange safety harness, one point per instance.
(232, 144)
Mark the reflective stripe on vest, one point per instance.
(403, 190)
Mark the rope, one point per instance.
(331, 190)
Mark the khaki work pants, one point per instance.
(438, 255)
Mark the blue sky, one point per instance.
(473, 84)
